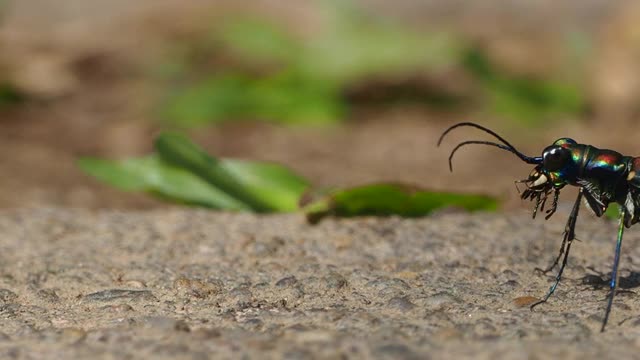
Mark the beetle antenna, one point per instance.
(477, 126)
(507, 146)
(527, 159)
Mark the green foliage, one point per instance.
(262, 187)
(270, 74)
(151, 174)
(522, 98)
(356, 45)
(256, 38)
(300, 80)
(393, 199)
(182, 172)
(9, 95)
(285, 97)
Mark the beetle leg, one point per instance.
(568, 235)
(554, 204)
(544, 201)
(567, 239)
(614, 273)
(538, 198)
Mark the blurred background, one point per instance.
(342, 92)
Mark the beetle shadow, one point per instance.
(599, 280)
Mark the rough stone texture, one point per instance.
(188, 284)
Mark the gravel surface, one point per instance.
(194, 284)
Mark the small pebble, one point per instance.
(240, 295)
(7, 296)
(194, 288)
(115, 294)
(401, 303)
(135, 284)
(287, 281)
(440, 300)
(389, 287)
(49, 295)
(335, 281)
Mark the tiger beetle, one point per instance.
(602, 176)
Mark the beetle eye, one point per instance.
(555, 158)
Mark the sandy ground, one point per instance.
(193, 284)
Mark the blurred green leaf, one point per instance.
(255, 38)
(9, 95)
(283, 97)
(184, 173)
(210, 101)
(270, 74)
(263, 187)
(392, 199)
(356, 45)
(272, 183)
(523, 98)
(291, 98)
(152, 175)
(301, 80)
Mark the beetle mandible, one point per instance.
(602, 176)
